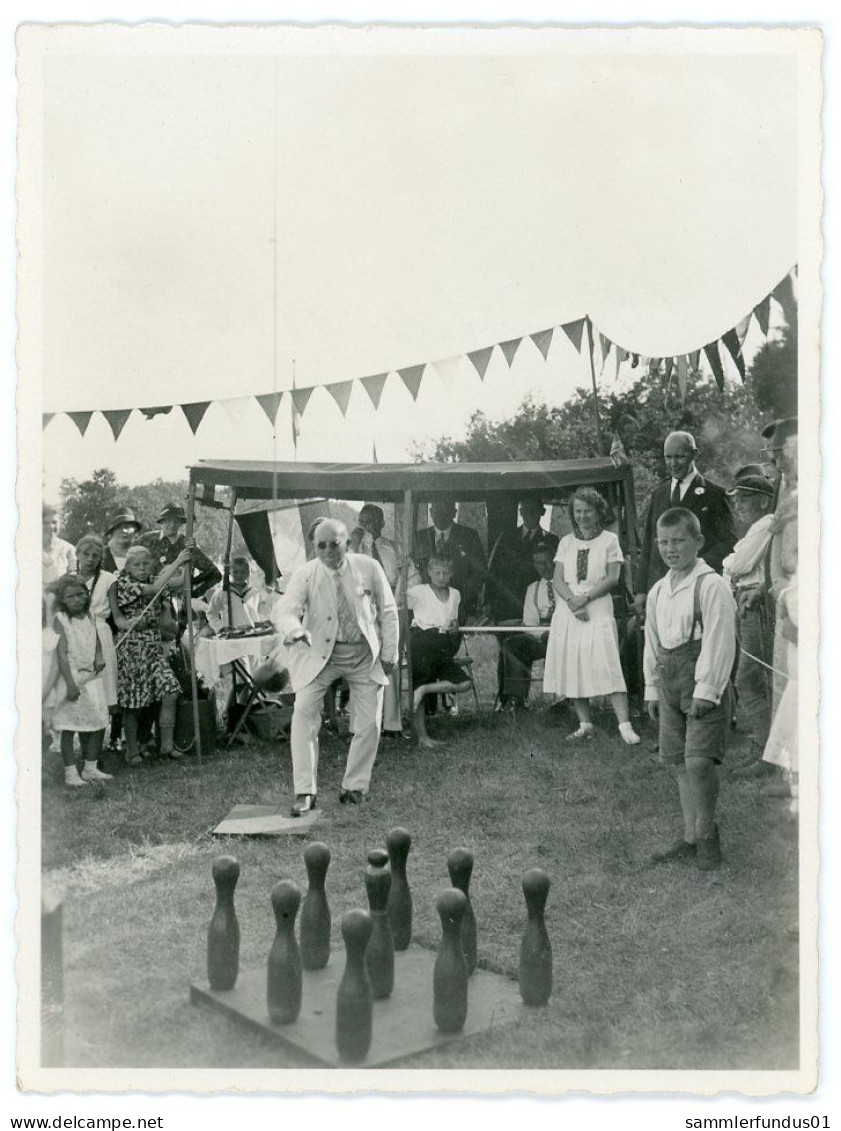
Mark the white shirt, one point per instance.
(217, 610)
(668, 621)
(537, 606)
(429, 611)
(683, 483)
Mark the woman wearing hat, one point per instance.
(121, 532)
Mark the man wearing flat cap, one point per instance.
(752, 497)
(167, 543)
(684, 487)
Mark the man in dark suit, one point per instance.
(511, 569)
(684, 487)
(460, 544)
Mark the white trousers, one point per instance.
(352, 663)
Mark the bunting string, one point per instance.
(728, 347)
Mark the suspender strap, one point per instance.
(697, 618)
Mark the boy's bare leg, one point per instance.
(702, 775)
(687, 804)
(420, 712)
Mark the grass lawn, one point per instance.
(654, 966)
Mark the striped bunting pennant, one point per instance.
(712, 355)
(734, 348)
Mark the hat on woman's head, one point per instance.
(749, 469)
(172, 510)
(752, 485)
(779, 430)
(124, 517)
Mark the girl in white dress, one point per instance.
(582, 658)
(90, 551)
(80, 706)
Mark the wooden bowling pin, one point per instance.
(449, 977)
(379, 954)
(460, 867)
(315, 914)
(398, 842)
(354, 1001)
(223, 932)
(283, 982)
(535, 971)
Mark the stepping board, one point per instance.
(264, 820)
(403, 1024)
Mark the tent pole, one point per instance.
(408, 533)
(226, 577)
(595, 390)
(188, 587)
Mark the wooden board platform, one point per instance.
(265, 820)
(403, 1024)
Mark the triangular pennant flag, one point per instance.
(159, 410)
(235, 410)
(509, 348)
(195, 412)
(682, 376)
(784, 294)
(635, 360)
(46, 418)
(270, 403)
(741, 329)
(695, 358)
(117, 418)
(295, 420)
(446, 368)
(734, 348)
(301, 398)
(340, 392)
(712, 355)
(763, 313)
(668, 367)
(411, 378)
(374, 386)
(604, 344)
(575, 331)
(81, 420)
(618, 455)
(481, 360)
(543, 340)
(619, 355)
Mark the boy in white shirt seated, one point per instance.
(519, 652)
(240, 592)
(435, 639)
(690, 645)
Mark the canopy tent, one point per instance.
(499, 485)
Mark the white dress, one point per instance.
(90, 711)
(100, 610)
(582, 657)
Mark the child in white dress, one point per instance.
(80, 706)
(582, 658)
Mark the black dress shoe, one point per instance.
(351, 796)
(304, 803)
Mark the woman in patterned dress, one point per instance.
(144, 677)
(582, 658)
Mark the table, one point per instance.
(213, 652)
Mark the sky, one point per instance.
(222, 218)
(96, 350)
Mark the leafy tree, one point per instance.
(772, 376)
(726, 426)
(85, 506)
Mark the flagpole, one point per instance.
(595, 389)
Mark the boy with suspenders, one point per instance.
(690, 646)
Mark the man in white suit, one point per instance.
(337, 618)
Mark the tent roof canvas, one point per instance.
(388, 482)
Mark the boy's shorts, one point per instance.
(682, 736)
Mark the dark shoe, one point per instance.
(351, 796)
(393, 734)
(680, 850)
(709, 852)
(304, 803)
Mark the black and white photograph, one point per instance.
(419, 691)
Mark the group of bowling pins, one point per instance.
(371, 938)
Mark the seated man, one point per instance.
(229, 605)
(511, 569)
(435, 639)
(519, 652)
(460, 545)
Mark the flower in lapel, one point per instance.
(699, 490)
(361, 591)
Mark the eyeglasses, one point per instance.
(332, 544)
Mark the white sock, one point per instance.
(71, 776)
(629, 735)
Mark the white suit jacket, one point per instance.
(310, 602)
